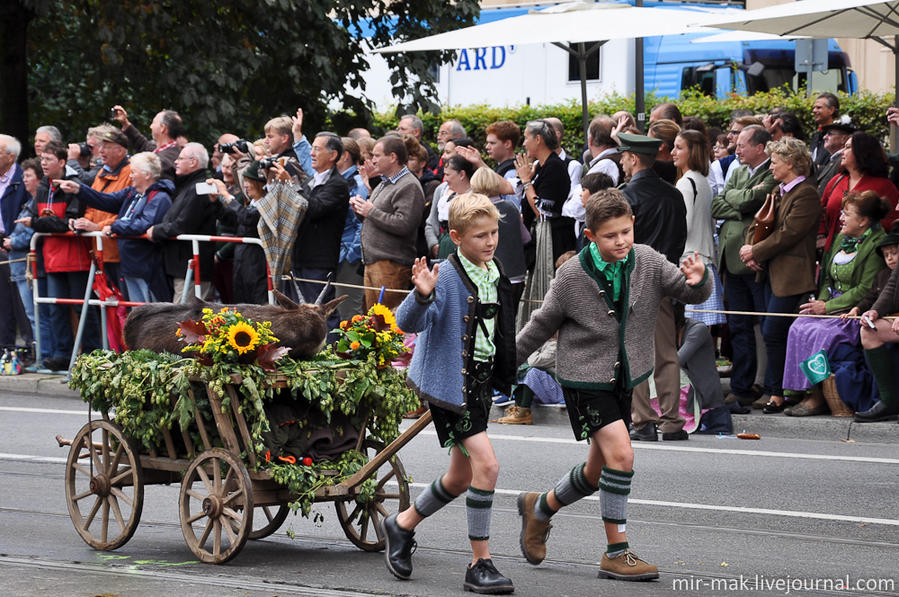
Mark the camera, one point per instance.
(266, 163)
(241, 145)
(113, 113)
(86, 150)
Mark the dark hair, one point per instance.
(869, 154)
(697, 151)
(545, 130)
(505, 130)
(596, 181)
(415, 149)
(172, 122)
(34, 164)
(790, 125)
(460, 164)
(57, 149)
(394, 144)
(332, 142)
(600, 131)
(832, 100)
(694, 123)
(461, 142)
(669, 111)
(869, 205)
(759, 136)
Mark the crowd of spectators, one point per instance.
(371, 206)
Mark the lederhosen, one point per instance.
(592, 409)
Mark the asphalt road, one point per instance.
(718, 516)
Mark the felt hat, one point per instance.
(846, 128)
(253, 172)
(639, 144)
(115, 136)
(889, 240)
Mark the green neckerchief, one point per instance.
(614, 272)
(849, 245)
(486, 281)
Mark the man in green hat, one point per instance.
(660, 221)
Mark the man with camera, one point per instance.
(84, 158)
(165, 129)
(278, 142)
(316, 253)
(191, 213)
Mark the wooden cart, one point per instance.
(223, 499)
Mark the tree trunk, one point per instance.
(14, 18)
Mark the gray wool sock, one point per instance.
(574, 486)
(478, 507)
(614, 487)
(432, 499)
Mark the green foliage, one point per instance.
(224, 66)
(149, 392)
(867, 110)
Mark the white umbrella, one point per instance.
(571, 27)
(860, 19)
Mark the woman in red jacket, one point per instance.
(863, 167)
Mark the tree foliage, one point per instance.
(225, 66)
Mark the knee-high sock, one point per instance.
(882, 367)
(432, 499)
(570, 488)
(478, 508)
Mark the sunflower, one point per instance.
(242, 337)
(385, 313)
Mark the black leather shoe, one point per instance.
(399, 549)
(56, 364)
(773, 408)
(648, 433)
(674, 436)
(879, 412)
(484, 578)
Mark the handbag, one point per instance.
(763, 221)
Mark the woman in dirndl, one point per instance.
(850, 271)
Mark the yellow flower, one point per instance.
(385, 312)
(242, 337)
(354, 345)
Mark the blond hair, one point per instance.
(467, 208)
(794, 152)
(486, 182)
(282, 125)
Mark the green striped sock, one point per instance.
(614, 487)
(478, 507)
(432, 499)
(574, 486)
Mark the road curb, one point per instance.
(44, 384)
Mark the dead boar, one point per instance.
(300, 327)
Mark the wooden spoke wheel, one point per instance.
(362, 521)
(267, 520)
(216, 506)
(104, 485)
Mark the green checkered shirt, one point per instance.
(485, 280)
(612, 271)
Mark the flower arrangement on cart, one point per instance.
(305, 429)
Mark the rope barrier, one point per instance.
(13, 261)
(688, 309)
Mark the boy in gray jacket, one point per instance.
(603, 353)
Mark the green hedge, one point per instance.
(866, 109)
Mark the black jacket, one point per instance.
(250, 285)
(190, 214)
(660, 216)
(318, 239)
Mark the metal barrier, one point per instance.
(193, 265)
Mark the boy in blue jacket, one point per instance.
(466, 302)
(603, 304)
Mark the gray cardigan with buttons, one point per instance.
(594, 348)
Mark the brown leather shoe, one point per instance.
(626, 566)
(533, 530)
(516, 415)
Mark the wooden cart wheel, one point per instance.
(216, 506)
(362, 522)
(271, 518)
(104, 485)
